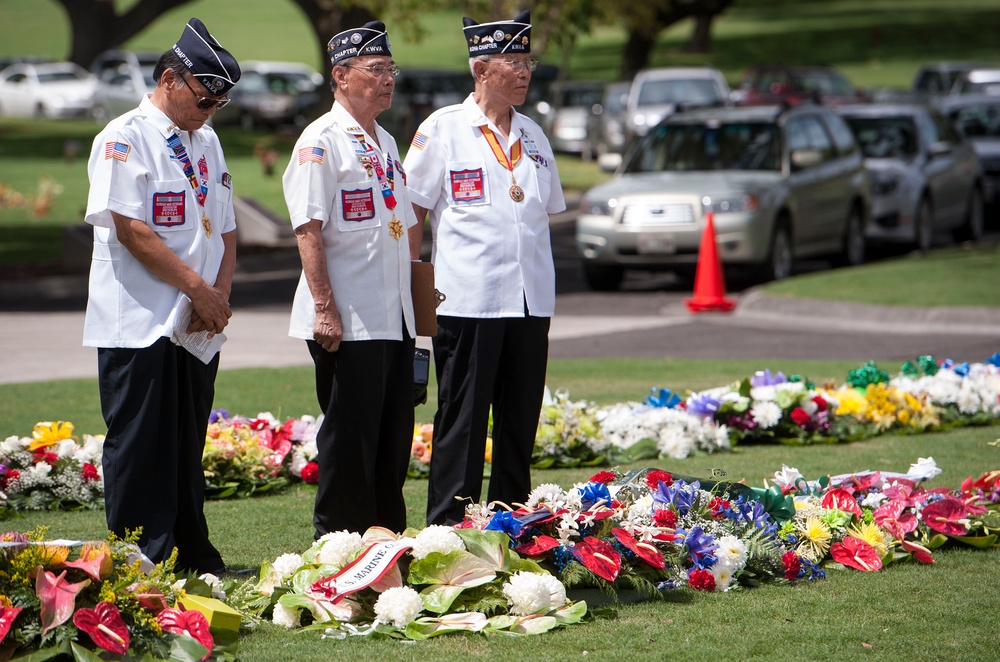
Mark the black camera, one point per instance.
(421, 374)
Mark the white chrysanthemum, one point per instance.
(287, 564)
(40, 471)
(398, 606)
(732, 552)
(12, 444)
(546, 493)
(339, 548)
(763, 393)
(285, 617)
(724, 576)
(530, 593)
(557, 592)
(873, 500)
(968, 400)
(766, 414)
(642, 508)
(64, 448)
(436, 538)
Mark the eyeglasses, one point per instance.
(377, 70)
(206, 103)
(517, 65)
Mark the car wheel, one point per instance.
(853, 251)
(780, 259)
(603, 278)
(923, 226)
(972, 230)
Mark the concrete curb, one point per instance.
(756, 306)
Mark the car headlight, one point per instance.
(884, 185)
(597, 207)
(731, 204)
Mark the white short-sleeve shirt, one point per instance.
(134, 172)
(369, 269)
(491, 253)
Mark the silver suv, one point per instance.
(783, 183)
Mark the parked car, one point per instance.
(54, 89)
(117, 61)
(565, 113)
(606, 126)
(977, 81)
(937, 78)
(656, 93)
(119, 91)
(977, 117)
(925, 177)
(11, 60)
(782, 183)
(272, 94)
(418, 93)
(791, 85)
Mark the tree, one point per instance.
(95, 26)
(645, 21)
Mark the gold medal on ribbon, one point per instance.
(516, 193)
(207, 224)
(395, 228)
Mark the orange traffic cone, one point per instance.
(709, 286)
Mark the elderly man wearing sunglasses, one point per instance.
(164, 250)
(348, 202)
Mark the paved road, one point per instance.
(41, 323)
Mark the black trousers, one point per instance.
(365, 390)
(156, 402)
(482, 363)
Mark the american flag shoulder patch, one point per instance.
(116, 150)
(419, 140)
(314, 154)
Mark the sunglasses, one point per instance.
(206, 103)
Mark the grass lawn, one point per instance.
(945, 611)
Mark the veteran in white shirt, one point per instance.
(348, 203)
(486, 177)
(164, 252)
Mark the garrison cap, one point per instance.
(208, 61)
(499, 36)
(370, 39)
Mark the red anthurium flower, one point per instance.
(654, 478)
(946, 516)
(57, 596)
(105, 627)
(919, 552)
(7, 617)
(541, 545)
(864, 483)
(841, 499)
(599, 557)
(800, 416)
(894, 518)
(95, 560)
(648, 553)
(857, 554)
(149, 596)
(905, 491)
(192, 622)
(603, 477)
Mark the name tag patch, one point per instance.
(359, 205)
(467, 185)
(168, 209)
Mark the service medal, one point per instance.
(207, 224)
(395, 227)
(516, 193)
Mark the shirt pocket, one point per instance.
(467, 183)
(170, 206)
(356, 206)
(224, 203)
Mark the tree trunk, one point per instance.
(635, 56)
(701, 35)
(95, 27)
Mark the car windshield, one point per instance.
(662, 92)
(710, 146)
(283, 83)
(59, 76)
(979, 121)
(824, 83)
(885, 137)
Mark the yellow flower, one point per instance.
(489, 449)
(814, 539)
(873, 535)
(48, 433)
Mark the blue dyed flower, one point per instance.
(592, 493)
(994, 360)
(217, 414)
(662, 397)
(703, 404)
(765, 378)
(700, 546)
(680, 495)
(505, 522)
